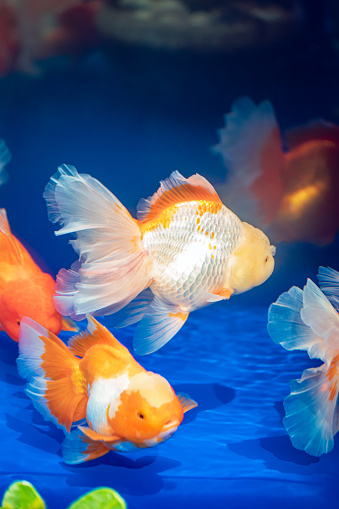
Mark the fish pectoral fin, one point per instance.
(77, 447)
(186, 402)
(93, 435)
(159, 324)
(69, 325)
(220, 294)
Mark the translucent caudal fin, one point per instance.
(251, 148)
(311, 415)
(286, 326)
(56, 387)
(319, 314)
(329, 283)
(113, 268)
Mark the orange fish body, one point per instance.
(24, 289)
(292, 193)
(97, 379)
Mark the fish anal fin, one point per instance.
(159, 324)
(174, 190)
(93, 435)
(186, 402)
(78, 447)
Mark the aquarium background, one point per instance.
(129, 115)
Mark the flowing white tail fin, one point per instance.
(306, 320)
(114, 268)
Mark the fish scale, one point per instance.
(191, 251)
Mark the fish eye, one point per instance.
(140, 415)
(267, 258)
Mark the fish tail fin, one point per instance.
(251, 148)
(311, 409)
(56, 385)
(113, 265)
(77, 448)
(286, 326)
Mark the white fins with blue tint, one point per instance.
(306, 320)
(159, 324)
(114, 266)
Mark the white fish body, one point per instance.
(186, 250)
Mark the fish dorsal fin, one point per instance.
(186, 402)
(173, 190)
(95, 334)
(93, 435)
(12, 243)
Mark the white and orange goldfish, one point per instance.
(95, 377)
(293, 193)
(186, 250)
(307, 320)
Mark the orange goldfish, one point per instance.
(24, 289)
(308, 320)
(293, 194)
(186, 250)
(95, 377)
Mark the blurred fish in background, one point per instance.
(34, 30)
(198, 25)
(292, 192)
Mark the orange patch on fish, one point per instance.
(182, 316)
(333, 369)
(164, 220)
(209, 206)
(333, 391)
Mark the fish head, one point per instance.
(252, 262)
(149, 411)
(31, 297)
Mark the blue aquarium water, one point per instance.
(129, 119)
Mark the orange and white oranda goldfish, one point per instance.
(293, 194)
(24, 289)
(308, 320)
(186, 250)
(96, 377)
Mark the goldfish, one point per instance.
(25, 290)
(96, 378)
(291, 193)
(185, 251)
(309, 320)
